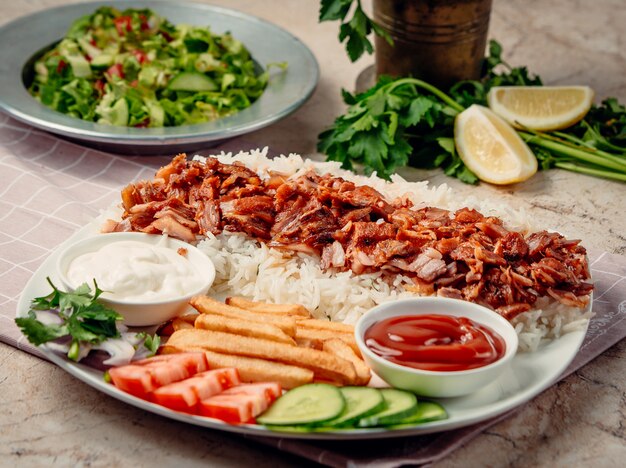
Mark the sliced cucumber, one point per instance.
(80, 65)
(102, 61)
(426, 411)
(308, 404)
(301, 429)
(360, 402)
(399, 405)
(119, 113)
(189, 81)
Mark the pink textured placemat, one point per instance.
(49, 188)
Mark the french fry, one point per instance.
(267, 308)
(325, 365)
(343, 350)
(261, 370)
(189, 317)
(315, 338)
(206, 305)
(265, 331)
(326, 325)
(180, 323)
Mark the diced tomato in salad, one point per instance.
(115, 70)
(140, 55)
(123, 24)
(99, 85)
(185, 395)
(61, 66)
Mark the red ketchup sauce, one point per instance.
(435, 342)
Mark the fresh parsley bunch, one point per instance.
(406, 121)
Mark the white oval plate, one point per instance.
(529, 375)
(26, 36)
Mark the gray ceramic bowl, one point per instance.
(26, 37)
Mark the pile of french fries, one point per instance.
(269, 342)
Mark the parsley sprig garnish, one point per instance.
(354, 30)
(83, 318)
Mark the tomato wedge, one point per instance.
(233, 409)
(241, 404)
(143, 377)
(193, 362)
(185, 395)
(269, 391)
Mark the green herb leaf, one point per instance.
(38, 333)
(85, 319)
(152, 342)
(354, 30)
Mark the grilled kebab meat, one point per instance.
(460, 254)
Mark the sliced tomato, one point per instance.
(268, 391)
(136, 380)
(185, 395)
(193, 362)
(233, 409)
(141, 378)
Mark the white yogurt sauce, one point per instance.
(136, 272)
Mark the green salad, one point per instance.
(134, 68)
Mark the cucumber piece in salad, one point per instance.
(189, 81)
(306, 405)
(399, 405)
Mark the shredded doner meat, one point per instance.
(462, 254)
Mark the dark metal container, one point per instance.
(441, 41)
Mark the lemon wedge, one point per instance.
(541, 107)
(491, 148)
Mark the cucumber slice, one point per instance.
(426, 411)
(189, 81)
(102, 61)
(80, 65)
(308, 404)
(400, 404)
(300, 429)
(360, 402)
(119, 113)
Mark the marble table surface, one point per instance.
(51, 419)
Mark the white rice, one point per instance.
(246, 267)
